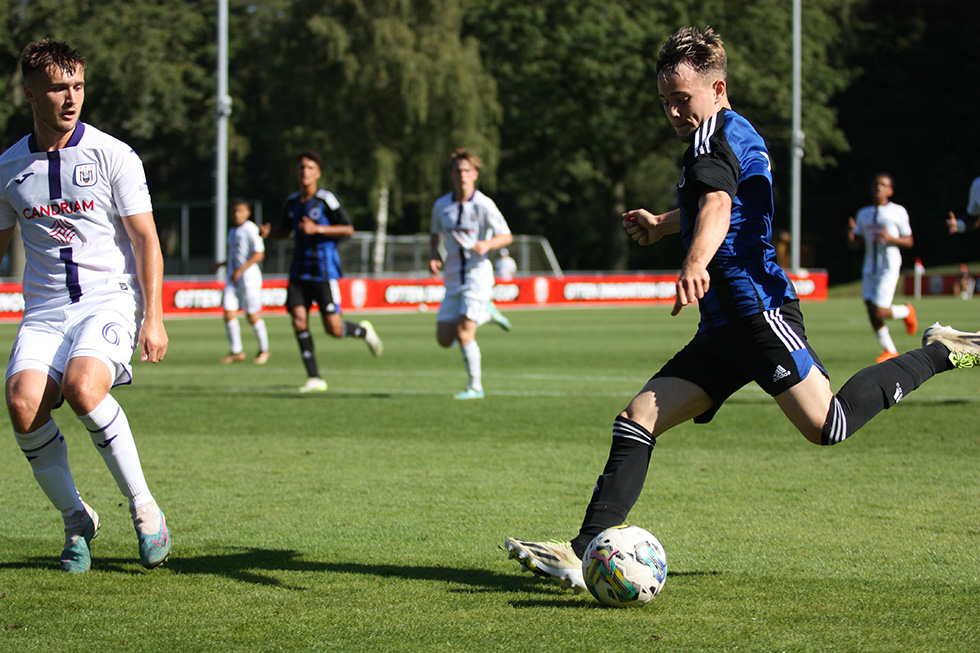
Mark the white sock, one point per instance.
(473, 363)
(885, 339)
(110, 432)
(47, 452)
(261, 334)
(900, 312)
(234, 336)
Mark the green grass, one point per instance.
(370, 518)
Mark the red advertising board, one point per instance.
(203, 297)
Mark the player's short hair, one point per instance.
(312, 155)
(38, 56)
(463, 154)
(237, 201)
(882, 173)
(703, 51)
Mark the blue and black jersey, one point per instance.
(315, 257)
(729, 155)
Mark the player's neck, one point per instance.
(49, 140)
(307, 192)
(464, 194)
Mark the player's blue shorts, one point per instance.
(769, 348)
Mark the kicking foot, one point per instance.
(552, 559)
(963, 346)
(262, 358)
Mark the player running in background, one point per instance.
(884, 227)
(92, 294)
(243, 284)
(470, 225)
(316, 221)
(751, 327)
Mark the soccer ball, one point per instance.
(624, 566)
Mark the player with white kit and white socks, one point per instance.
(92, 291)
(470, 225)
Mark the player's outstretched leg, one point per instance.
(553, 559)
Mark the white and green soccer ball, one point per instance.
(624, 566)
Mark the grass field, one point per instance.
(370, 518)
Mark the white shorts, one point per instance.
(237, 296)
(470, 300)
(879, 289)
(102, 325)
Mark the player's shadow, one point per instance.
(264, 566)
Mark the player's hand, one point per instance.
(265, 229)
(308, 227)
(952, 224)
(236, 275)
(435, 267)
(153, 341)
(480, 247)
(692, 284)
(642, 226)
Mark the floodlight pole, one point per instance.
(221, 144)
(796, 145)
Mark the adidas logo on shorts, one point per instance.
(780, 373)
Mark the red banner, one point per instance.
(195, 297)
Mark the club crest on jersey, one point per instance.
(62, 231)
(85, 174)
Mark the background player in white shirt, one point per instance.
(92, 291)
(243, 284)
(884, 227)
(471, 225)
(506, 267)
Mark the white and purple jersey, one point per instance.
(69, 204)
(243, 242)
(462, 225)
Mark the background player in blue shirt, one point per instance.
(316, 221)
(751, 326)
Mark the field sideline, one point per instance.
(371, 517)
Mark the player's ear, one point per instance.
(720, 87)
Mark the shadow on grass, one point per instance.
(262, 567)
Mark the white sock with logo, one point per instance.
(110, 432)
(47, 452)
(473, 363)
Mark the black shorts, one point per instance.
(769, 348)
(303, 292)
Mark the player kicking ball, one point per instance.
(751, 327)
(92, 294)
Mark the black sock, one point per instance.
(305, 341)
(353, 330)
(620, 484)
(880, 387)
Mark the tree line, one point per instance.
(558, 97)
